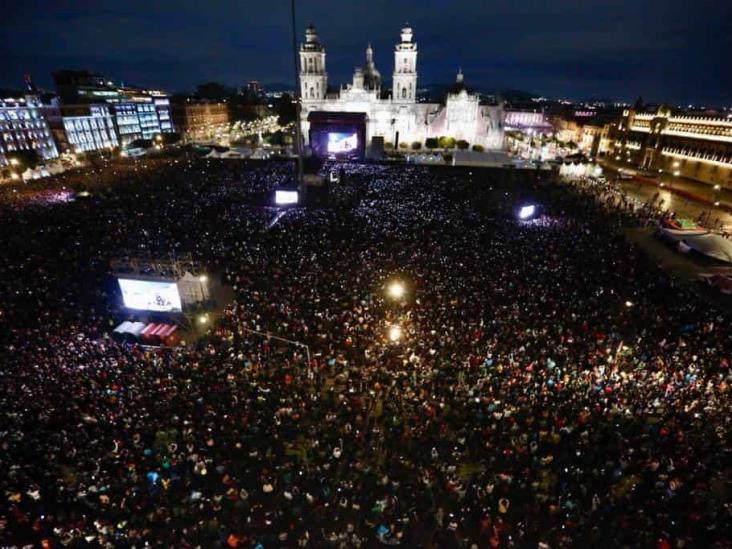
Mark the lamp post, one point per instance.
(298, 130)
(715, 202)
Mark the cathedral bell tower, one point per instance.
(404, 86)
(313, 78)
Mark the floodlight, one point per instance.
(396, 290)
(395, 333)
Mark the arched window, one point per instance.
(312, 93)
(310, 64)
(404, 93)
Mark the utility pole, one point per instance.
(298, 130)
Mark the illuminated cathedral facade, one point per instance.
(396, 116)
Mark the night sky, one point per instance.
(676, 51)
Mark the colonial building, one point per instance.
(694, 146)
(397, 116)
(200, 120)
(23, 128)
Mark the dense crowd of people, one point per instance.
(548, 387)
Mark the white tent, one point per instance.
(703, 242)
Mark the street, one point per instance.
(682, 205)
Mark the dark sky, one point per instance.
(665, 50)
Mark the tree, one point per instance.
(416, 145)
(431, 143)
(478, 148)
(276, 138)
(463, 145)
(447, 142)
(403, 145)
(213, 91)
(170, 138)
(285, 109)
(388, 145)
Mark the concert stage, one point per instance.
(338, 134)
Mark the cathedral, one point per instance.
(396, 116)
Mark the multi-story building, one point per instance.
(694, 146)
(526, 121)
(149, 102)
(199, 120)
(138, 113)
(89, 127)
(23, 128)
(80, 86)
(127, 121)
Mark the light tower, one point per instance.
(313, 78)
(404, 86)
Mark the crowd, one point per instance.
(550, 386)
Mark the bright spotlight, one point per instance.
(628, 304)
(526, 211)
(396, 290)
(395, 333)
(203, 319)
(202, 278)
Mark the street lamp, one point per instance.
(396, 290)
(395, 333)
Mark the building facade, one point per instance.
(23, 128)
(89, 128)
(694, 146)
(396, 117)
(200, 120)
(534, 122)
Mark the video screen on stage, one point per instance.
(342, 142)
(148, 295)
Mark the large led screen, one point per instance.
(147, 295)
(282, 198)
(342, 142)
